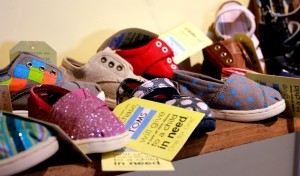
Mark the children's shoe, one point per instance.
(84, 118)
(149, 56)
(224, 54)
(23, 144)
(28, 70)
(163, 90)
(154, 59)
(236, 99)
(234, 18)
(106, 68)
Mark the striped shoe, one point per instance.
(23, 144)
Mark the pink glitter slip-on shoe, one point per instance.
(85, 118)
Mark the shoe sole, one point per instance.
(250, 115)
(23, 113)
(29, 157)
(102, 145)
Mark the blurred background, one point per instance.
(77, 28)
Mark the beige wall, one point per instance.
(77, 28)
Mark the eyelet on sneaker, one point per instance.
(169, 60)
(103, 59)
(229, 61)
(53, 72)
(42, 68)
(223, 54)
(217, 47)
(173, 66)
(119, 68)
(29, 64)
(164, 49)
(158, 44)
(111, 64)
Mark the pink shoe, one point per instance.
(85, 118)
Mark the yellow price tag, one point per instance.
(185, 41)
(130, 160)
(157, 129)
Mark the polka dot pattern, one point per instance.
(222, 96)
(163, 87)
(185, 88)
(190, 103)
(250, 99)
(233, 92)
(236, 93)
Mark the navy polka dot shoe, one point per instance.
(163, 90)
(236, 99)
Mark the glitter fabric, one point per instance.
(83, 116)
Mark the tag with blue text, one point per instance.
(157, 129)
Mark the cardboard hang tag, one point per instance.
(185, 40)
(38, 48)
(157, 129)
(288, 87)
(250, 48)
(130, 160)
(5, 100)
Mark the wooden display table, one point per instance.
(228, 134)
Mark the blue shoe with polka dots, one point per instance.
(164, 91)
(236, 99)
